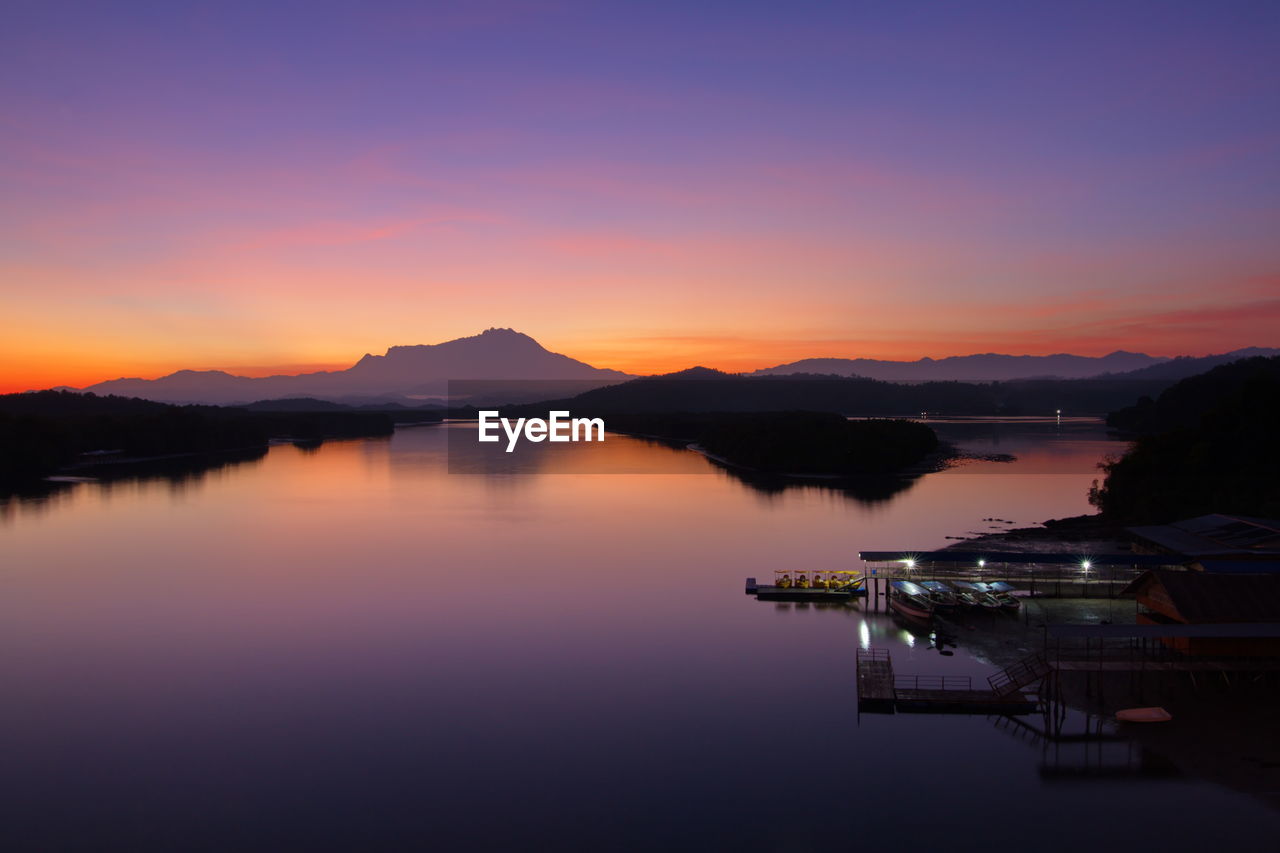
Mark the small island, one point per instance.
(800, 444)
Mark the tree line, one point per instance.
(1206, 444)
(45, 431)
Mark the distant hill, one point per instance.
(985, 367)
(295, 404)
(1184, 366)
(402, 372)
(1184, 404)
(705, 390)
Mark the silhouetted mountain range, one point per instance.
(1184, 366)
(988, 367)
(403, 374)
(502, 365)
(700, 389)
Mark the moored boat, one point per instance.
(986, 598)
(964, 594)
(978, 594)
(911, 600)
(809, 585)
(942, 596)
(1003, 593)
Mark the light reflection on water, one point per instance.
(354, 648)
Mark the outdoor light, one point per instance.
(911, 564)
(981, 563)
(1085, 565)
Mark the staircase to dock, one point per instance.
(881, 691)
(1022, 674)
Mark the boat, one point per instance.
(979, 594)
(1144, 715)
(1003, 593)
(986, 598)
(809, 585)
(942, 596)
(910, 600)
(964, 594)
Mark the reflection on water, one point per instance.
(352, 648)
(178, 474)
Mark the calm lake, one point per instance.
(358, 647)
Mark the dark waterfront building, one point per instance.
(1220, 604)
(1215, 543)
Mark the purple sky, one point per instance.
(643, 185)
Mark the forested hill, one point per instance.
(1185, 403)
(797, 443)
(1207, 445)
(705, 390)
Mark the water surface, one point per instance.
(352, 648)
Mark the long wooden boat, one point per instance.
(986, 598)
(1003, 593)
(975, 595)
(942, 596)
(911, 600)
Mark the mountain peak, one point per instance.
(419, 370)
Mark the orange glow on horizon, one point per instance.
(636, 355)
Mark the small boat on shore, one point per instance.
(1144, 715)
(910, 600)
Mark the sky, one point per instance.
(280, 187)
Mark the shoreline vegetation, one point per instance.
(1205, 445)
(47, 433)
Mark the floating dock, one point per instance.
(767, 592)
(880, 691)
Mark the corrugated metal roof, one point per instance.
(1215, 534)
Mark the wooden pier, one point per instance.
(880, 691)
(1041, 575)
